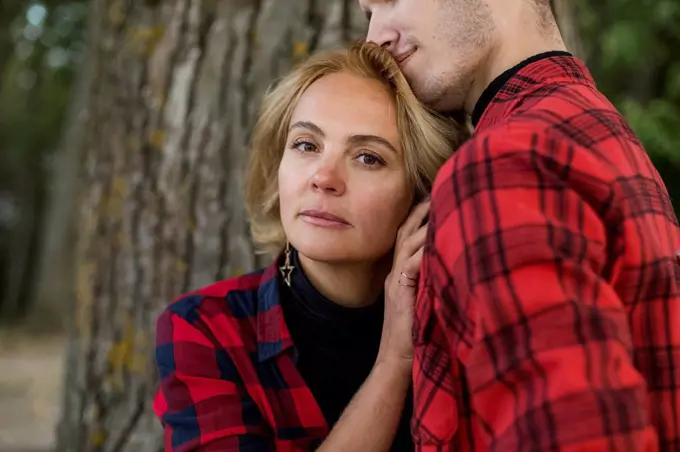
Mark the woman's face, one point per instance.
(343, 186)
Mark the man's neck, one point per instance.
(351, 285)
(510, 50)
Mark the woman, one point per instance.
(315, 350)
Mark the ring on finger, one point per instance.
(407, 276)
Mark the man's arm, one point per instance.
(516, 262)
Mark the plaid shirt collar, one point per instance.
(273, 336)
(510, 89)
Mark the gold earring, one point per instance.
(287, 269)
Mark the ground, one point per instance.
(30, 382)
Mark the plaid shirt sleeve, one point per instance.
(514, 293)
(201, 402)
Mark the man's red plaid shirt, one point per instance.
(549, 311)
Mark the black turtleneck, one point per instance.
(337, 347)
(490, 92)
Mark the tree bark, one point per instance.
(176, 86)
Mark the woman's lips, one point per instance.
(324, 219)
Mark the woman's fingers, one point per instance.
(411, 267)
(410, 270)
(414, 220)
(409, 248)
(413, 243)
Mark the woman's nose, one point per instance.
(329, 178)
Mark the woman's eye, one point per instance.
(304, 146)
(370, 160)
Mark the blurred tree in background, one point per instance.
(40, 56)
(123, 125)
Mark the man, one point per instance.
(548, 316)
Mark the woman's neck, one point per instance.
(351, 285)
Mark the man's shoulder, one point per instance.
(558, 117)
(567, 113)
(569, 136)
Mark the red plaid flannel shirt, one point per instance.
(548, 316)
(227, 369)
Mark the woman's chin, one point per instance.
(338, 252)
(329, 253)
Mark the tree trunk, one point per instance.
(176, 87)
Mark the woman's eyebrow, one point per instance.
(352, 140)
(363, 139)
(308, 125)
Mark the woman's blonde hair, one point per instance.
(427, 139)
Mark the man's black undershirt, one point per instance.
(499, 82)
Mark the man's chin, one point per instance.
(434, 94)
(425, 95)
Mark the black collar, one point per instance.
(498, 83)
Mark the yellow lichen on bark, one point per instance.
(300, 50)
(116, 14)
(84, 296)
(157, 139)
(145, 39)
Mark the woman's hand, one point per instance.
(372, 418)
(400, 288)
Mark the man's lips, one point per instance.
(403, 56)
(324, 219)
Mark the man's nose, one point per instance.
(382, 34)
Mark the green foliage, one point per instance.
(633, 50)
(658, 125)
(37, 79)
(40, 49)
